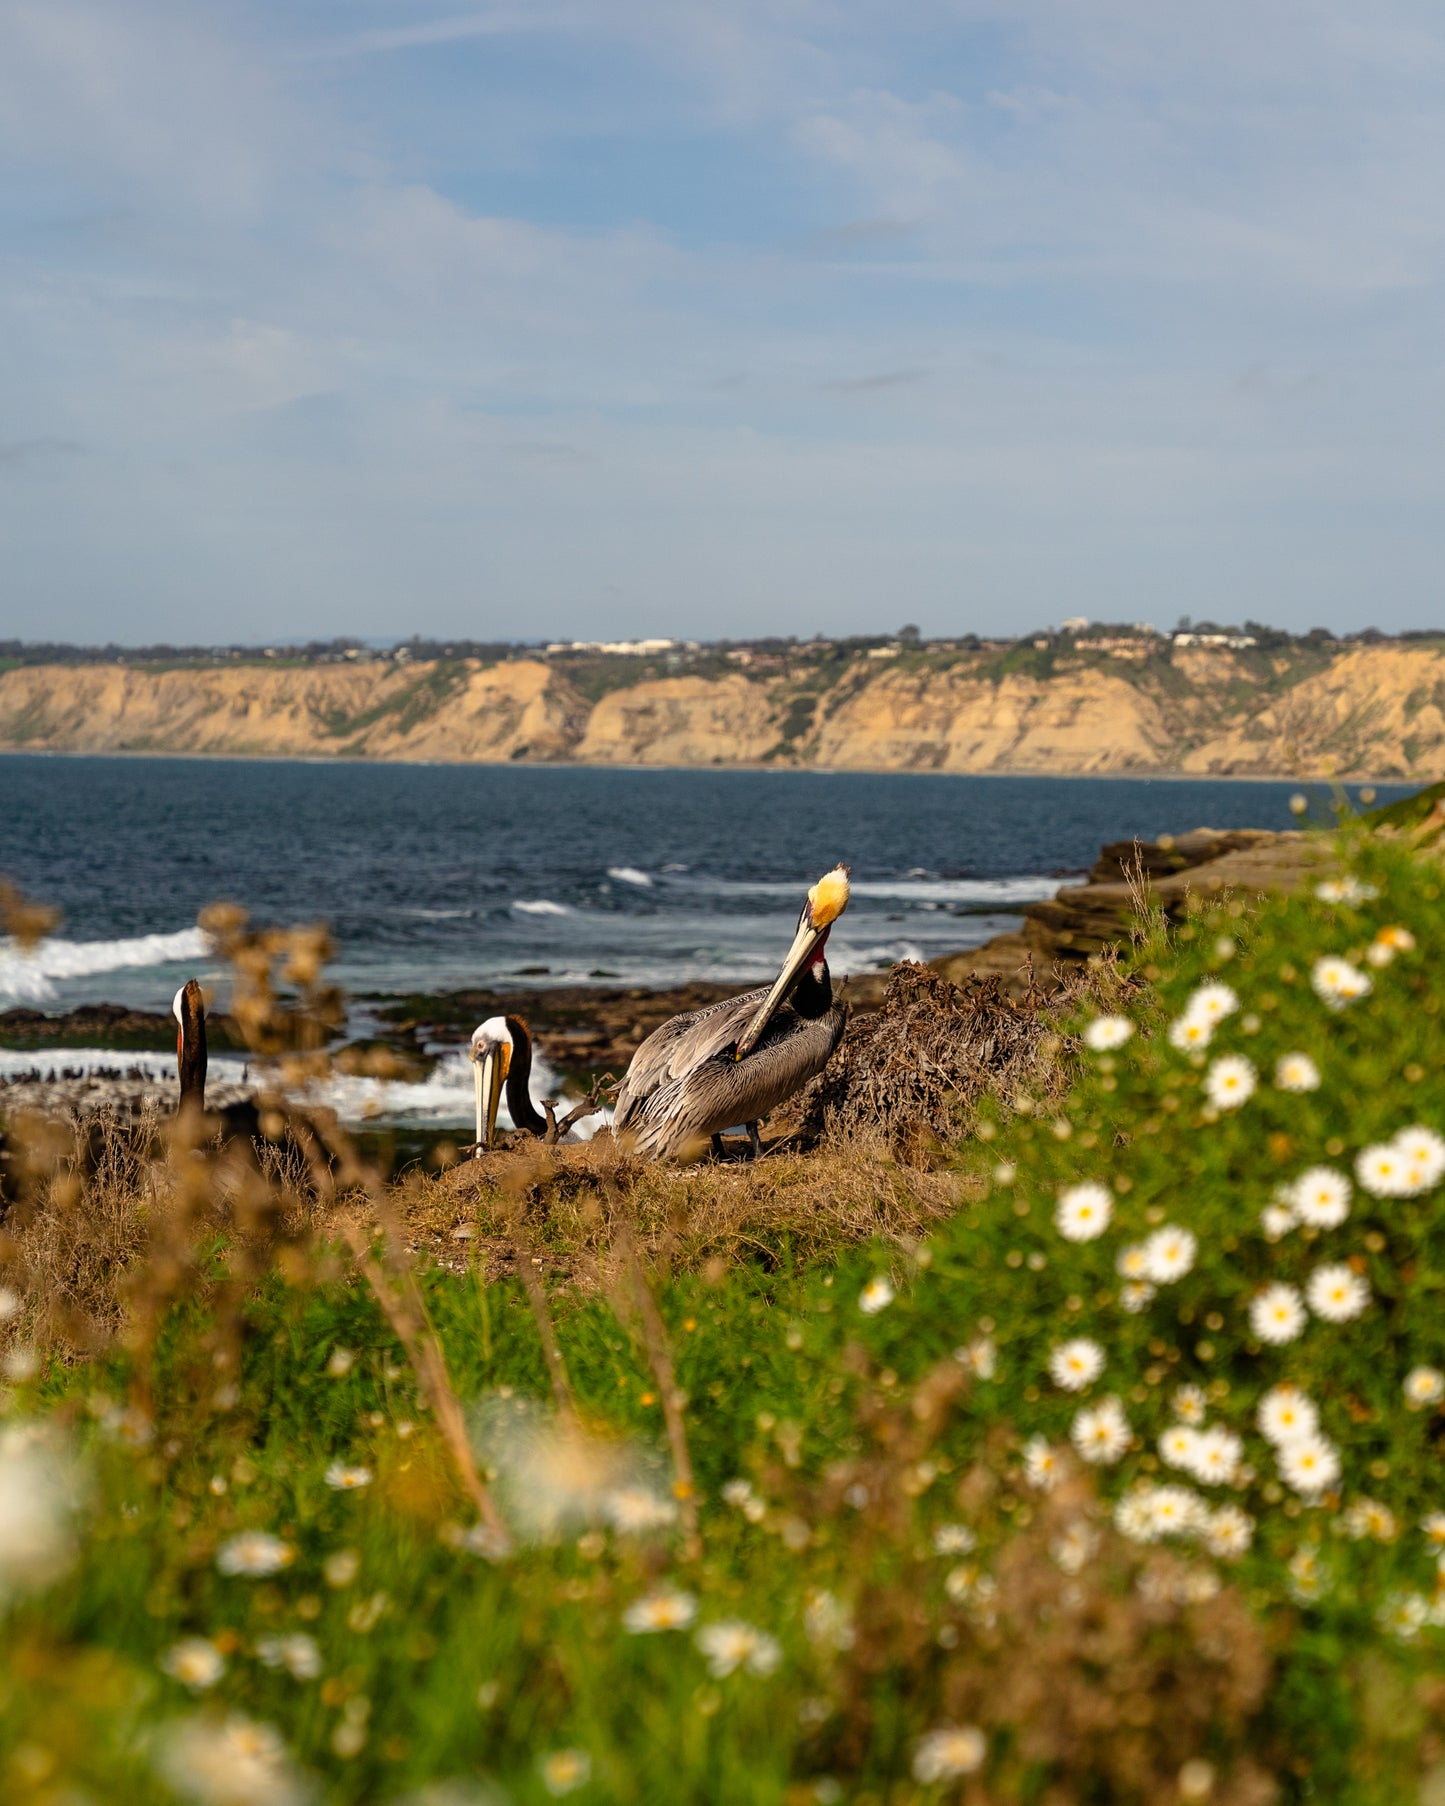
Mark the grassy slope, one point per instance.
(790, 1384)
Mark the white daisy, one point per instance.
(1369, 1518)
(962, 1582)
(1337, 1293)
(954, 1539)
(230, 1763)
(341, 1478)
(1176, 1446)
(1190, 1033)
(1229, 1533)
(980, 1357)
(1403, 1615)
(1189, 1404)
(195, 1662)
(1136, 1296)
(1132, 1263)
(1433, 1524)
(1306, 1576)
(1105, 1033)
(1285, 1414)
(1384, 1171)
(1398, 937)
(1077, 1546)
(665, 1609)
(1084, 1211)
(1101, 1432)
(1230, 1082)
(1134, 1515)
(1337, 982)
(297, 1653)
(730, 1644)
(1276, 1221)
(1308, 1464)
(1379, 954)
(1296, 1072)
(1424, 1151)
(254, 1553)
(1217, 1455)
(1345, 890)
(1041, 1464)
(634, 1510)
(876, 1296)
(1321, 1197)
(1277, 1314)
(1424, 1386)
(1076, 1364)
(1177, 1511)
(827, 1621)
(1211, 1003)
(947, 1754)
(1169, 1254)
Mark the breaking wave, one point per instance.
(543, 906)
(28, 974)
(999, 892)
(444, 1099)
(629, 874)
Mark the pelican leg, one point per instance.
(717, 1147)
(755, 1146)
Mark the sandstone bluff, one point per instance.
(1363, 712)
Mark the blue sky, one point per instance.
(601, 317)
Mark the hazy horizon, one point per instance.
(607, 320)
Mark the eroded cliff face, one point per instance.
(682, 721)
(1093, 721)
(1368, 712)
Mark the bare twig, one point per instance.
(659, 1353)
(556, 1366)
(401, 1303)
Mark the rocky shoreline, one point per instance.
(583, 1030)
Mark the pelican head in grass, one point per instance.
(501, 1053)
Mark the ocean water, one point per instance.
(445, 877)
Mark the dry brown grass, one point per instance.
(568, 1201)
(913, 1073)
(112, 1211)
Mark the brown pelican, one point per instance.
(189, 1009)
(502, 1055)
(735, 1061)
(239, 1120)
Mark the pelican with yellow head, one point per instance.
(734, 1062)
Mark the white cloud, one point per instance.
(1080, 304)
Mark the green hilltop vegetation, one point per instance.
(1117, 1480)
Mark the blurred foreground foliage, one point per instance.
(306, 1517)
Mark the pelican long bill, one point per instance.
(489, 1074)
(825, 902)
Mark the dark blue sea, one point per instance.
(441, 877)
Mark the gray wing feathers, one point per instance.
(719, 1091)
(670, 1052)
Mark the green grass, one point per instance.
(841, 1422)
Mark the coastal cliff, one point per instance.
(1359, 712)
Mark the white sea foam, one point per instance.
(629, 874)
(51, 1063)
(543, 906)
(1029, 888)
(846, 959)
(29, 974)
(445, 1098)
